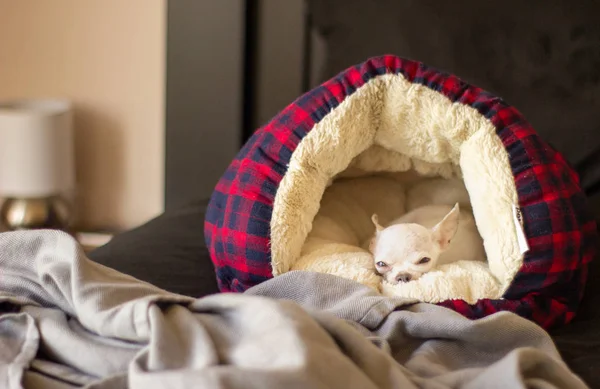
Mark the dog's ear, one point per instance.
(445, 230)
(372, 244)
(375, 220)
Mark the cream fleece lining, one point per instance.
(392, 125)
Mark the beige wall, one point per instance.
(108, 57)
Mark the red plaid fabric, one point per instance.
(560, 231)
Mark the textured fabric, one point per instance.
(98, 328)
(405, 131)
(560, 231)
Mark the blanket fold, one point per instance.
(80, 324)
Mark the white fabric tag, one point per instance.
(521, 238)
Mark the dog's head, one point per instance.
(404, 252)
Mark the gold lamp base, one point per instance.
(51, 212)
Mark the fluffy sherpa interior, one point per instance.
(400, 131)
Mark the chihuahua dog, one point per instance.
(422, 239)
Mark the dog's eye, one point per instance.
(424, 260)
(381, 264)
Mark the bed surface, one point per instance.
(169, 252)
(301, 329)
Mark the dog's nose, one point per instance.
(403, 277)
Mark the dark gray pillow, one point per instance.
(541, 57)
(168, 251)
(579, 341)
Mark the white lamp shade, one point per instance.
(36, 148)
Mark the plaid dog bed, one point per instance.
(398, 110)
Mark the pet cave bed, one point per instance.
(394, 121)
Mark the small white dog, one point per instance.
(422, 239)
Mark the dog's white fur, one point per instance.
(433, 235)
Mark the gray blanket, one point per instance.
(68, 322)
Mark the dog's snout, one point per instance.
(403, 277)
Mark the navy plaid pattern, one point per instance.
(560, 231)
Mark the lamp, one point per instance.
(36, 163)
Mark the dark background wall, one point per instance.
(231, 66)
(205, 42)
